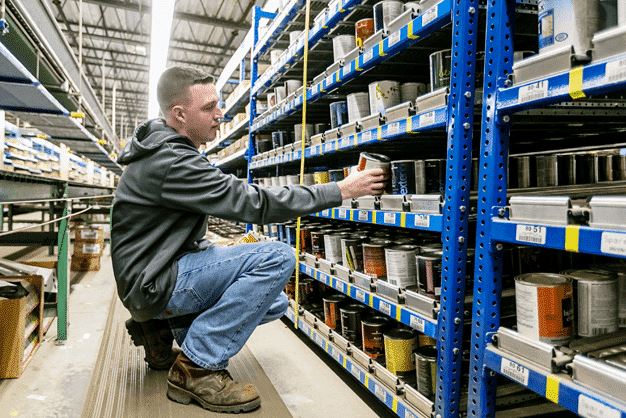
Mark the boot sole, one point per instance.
(185, 397)
(136, 336)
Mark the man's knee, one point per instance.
(285, 254)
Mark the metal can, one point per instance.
(307, 290)
(595, 292)
(352, 252)
(368, 161)
(263, 144)
(544, 306)
(342, 45)
(435, 175)
(335, 175)
(374, 258)
(426, 370)
(399, 360)
(411, 91)
(317, 242)
(383, 95)
(372, 330)
(338, 114)
(547, 173)
(297, 131)
(309, 179)
(400, 265)
(586, 168)
(358, 106)
(363, 29)
(520, 172)
(423, 340)
(332, 246)
(605, 167)
(567, 169)
(428, 268)
(385, 12)
(620, 271)
(332, 314)
(351, 322)
(305, 238)
(321, 177)
(440, 67)
(403, 177)
(619, 161)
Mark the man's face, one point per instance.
(202, 115)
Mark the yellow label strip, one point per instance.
(572, 237)
(410, 31)
(352, 214)
(403, 219)
(374, 217)
(576, 83)
(394, 404)
(370, 300)
(379, 133)
(409, 125)
(381, 49)
(552, 388)
(398, 313)
(345, 362)
(333, 213)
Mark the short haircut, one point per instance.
(175, 81)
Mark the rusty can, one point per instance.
(374, 258)
(544, 306)
(399, 347)
(426, 370)
(363, 29)
(332, 315)
(351, 322)
(372, 330)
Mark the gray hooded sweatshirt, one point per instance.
(161, 205)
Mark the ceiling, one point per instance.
(205, 33)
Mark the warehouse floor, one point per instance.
(295, 378)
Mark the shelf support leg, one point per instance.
(63, 273)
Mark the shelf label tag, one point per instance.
(384, 307)
(615, 71)
(613, 243)
(429, 15)
(591, 408)
(389, 218)
(534, 91)
(534, 234)
(427, 119)
(343, 213)
(355, 371)
(422, 221)
(417, 323)
(360, 296)
(514, 371)
(380, 392)
(366, 136)
(326, 212)
(341, 286)
(393, 128)
(393, 39)
(363, 215)
(368, 55)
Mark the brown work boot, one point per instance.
(214, 390)
(156, 338)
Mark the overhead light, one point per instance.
(162, 16)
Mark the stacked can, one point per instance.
(332, 314)
(400, 265)
(372, 331)
(426, 370)
(332, 246)
(428, 268)
(351, 323)
(374, 258)
(399, 347)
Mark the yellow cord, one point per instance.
(307, 24)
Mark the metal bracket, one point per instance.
(608, 212)
(543, 209)
(433, 100)
(342, 272)
(392, 202)
(542, 65)
(609, 43)
(362, 280)
(426, 203)
(399, 112)
(389, 291)
(420, 303)
(537, 352)
(599, 375)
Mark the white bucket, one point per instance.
(411, 91)
(358, 106)
(383, 95)
(342, 45)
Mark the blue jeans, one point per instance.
(222, 294)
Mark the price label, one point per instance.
(613, 243)
(363, 215)
(341, 286)
(326, 213)
(325, 278)
(329, 80)
(355, 371)
(393, 128)
(422, 221)
(427, 119)
(409, 414)
(360, 295)
(591, 408)
(389, 218)
(384, 307)
(368, 55)
(534, 234)
(429, 15)
(343, 213)
(417, 323)
(534, 91)
(615, 71)
(366, 136)
(380, 392)
(514, 371)
(393, 39)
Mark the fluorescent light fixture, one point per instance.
(162, 16)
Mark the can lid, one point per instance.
(375, 157)
(399, 334)
(589, 275)
(353, 307)
(543, 279)
(403, 248)
(618, 269)
(377, 243)
(375, 320)
(427, 352)
(402, 161)
(335, 298)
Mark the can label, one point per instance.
(89, 234)
(401, 269)
(597, 308)
(546, 28)
(399, 354)
(91, 249)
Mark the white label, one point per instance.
(89, 234)
(355, 371)
(363, 214)
(393, 128)
(531, 233)
(343, 213)
(360, 295)
(329, 80)
(326, 212)
(427, 119)
(393, 39)
(422, 221)
(325, 278)
(409, 414)
(380, 392)
(429, 15)
(329, 146)
(341, 286)
(531, 92)
(91, 248)
(309, 271)
(368, 55)
(366, 136)
(514, 371)
(591, 408)
(613, 243)
(384, 307)
(417, 323)
(389, 218)
(615, 71)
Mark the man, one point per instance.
(213, 297)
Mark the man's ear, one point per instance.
(178, 112)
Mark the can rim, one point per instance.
(543, 279)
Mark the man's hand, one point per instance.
(363, 183)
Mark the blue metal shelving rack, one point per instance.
(501, 101)
(461, 17)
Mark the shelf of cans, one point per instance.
(568, 341)
(237, 100)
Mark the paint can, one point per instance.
(320, 128)
(281, 94)
(290, 234)
(374, 258)
(293, 179)
(332, 315)
(399, 347)
(306, 244)
(274, 181)
(411, 91)
(279, 139)
(368, 161)
(321, 177)
(275, 55)
(544, 307)
(428, 270)
(400, 265)
(385, 12)
(352, 252)
(424, 340)
(435, 176)
(290, 289)
(263, 144)
(332, 246)
(547, 173)
(567, 169)
(440, 66)
(520, 172)
(294, 35)
(383, 95)
(335, 175)
(307, 290)
(372, 331)
(282, 180)
(403, 177)
(271, 100)
(363, 29)
(317, 242)
(619, 166)
(297, 130)
(595, 293)
(605, 167)
(291, 86)
(426, 370)
(620, 271)
(586, 168)
(342, 45)
(358, 106)
(351, 322)
(309, 179)
(338, 114)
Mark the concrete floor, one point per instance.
(56, 381)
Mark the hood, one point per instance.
(148, 137)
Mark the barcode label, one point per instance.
(534, 234)
(531, 92)
(367, 56)
(393, 128)
(613, 243)
(429, 15)
(393, 39)
(325, 278)
(380, 392)
(355, 371)
(366, 136)
(363, 215)
(89, 234)
(409, 414)
(417, 323)
(615, 71)
(341, 286)
(389, 218)
(427, 119)
(343, 213)
(591, 408)
(360, 295)
(329, 79)
(326, 212)
(384, 307)
(422, 221)
(328, 146)
(514, 371)
(91, 248)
